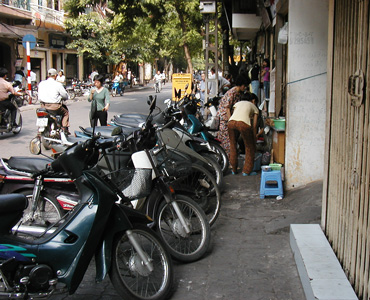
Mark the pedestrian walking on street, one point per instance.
(225, 108)
(240, 124)
(99, 98)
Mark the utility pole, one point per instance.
(209, 11)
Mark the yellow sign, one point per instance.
(179, 82)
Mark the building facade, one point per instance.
(44, 19)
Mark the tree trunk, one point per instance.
(181, 13)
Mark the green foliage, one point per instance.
(92, 38)
(143, 30)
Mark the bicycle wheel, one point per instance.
(130, 277)
(184, 246)
(203, 190)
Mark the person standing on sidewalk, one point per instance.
(225, 109)
(99, 98)
(240, 123)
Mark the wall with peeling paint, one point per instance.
(306, 92)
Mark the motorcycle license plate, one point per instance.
(42, 122)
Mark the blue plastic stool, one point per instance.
(271, 184)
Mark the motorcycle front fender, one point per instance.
(121, 219)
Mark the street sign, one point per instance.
(29, 38)
(179, 82)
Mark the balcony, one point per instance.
(23, 4)
(16, 10)
(47, 18)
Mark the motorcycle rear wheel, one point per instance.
(18, 129)
(185, 247)
(130, 277)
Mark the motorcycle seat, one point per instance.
(11, 210)
(106, 131)
(28, 164)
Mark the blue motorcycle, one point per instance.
(117, 89)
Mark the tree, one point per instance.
(170, 27)
(143, 30)
(93, 38)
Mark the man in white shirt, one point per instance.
(51, 93)
(158, 80)
(93, 74)
(217, 89)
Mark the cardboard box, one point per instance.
(278, 145)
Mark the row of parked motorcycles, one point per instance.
(79, 88)
(133, 195)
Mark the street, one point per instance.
(134, 100)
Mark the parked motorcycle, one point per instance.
(195, 126)
(6, 124)
(49, 195)
(136, 260)
(178, 137)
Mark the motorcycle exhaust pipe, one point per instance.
(32, 230)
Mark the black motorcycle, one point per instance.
(6, 124)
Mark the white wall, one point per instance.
(306, 91)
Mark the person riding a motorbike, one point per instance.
(158, 80)
(119, 78)
(6, 88)
(51, 93)
(19, 76)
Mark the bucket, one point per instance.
(279, 124)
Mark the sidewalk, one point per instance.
(250, 257)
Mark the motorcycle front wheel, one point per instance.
(48, 210)
(184, 246)
(71, 94)
(45, 142)
(204, 191)
(130, 277)
(114, 92)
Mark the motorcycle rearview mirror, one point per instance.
(153, 104)
(150, 99)
(116, 131)
(35, 146)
